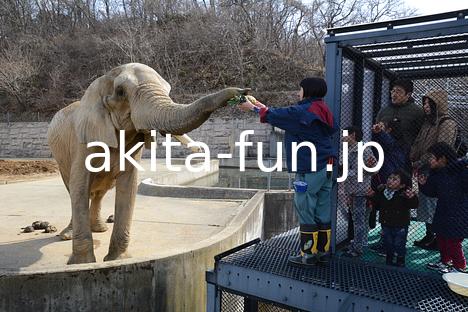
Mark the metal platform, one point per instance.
(258, 272)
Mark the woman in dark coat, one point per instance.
(448, 182)
(437, 127)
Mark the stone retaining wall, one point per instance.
(24, 139)
(29, 139)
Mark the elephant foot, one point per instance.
(98, 226)
(75, 259)
(117, 256)
(66, 234)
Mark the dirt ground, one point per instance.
(25, 170)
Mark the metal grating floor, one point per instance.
(397, 286)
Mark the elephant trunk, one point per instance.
(154, 109)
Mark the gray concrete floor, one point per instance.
(161, 226)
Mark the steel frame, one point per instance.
(349, 44)
(296, 294)
(287, 292)
(257, 272)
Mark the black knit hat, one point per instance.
(314, 87)
(406, 84)
(440, 149)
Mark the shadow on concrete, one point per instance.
(17, 255)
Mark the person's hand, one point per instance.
(422, 179)
(371, 162)
(378, 127)
(246, 106)
(259, 104)
(409, 193)
(370, 192)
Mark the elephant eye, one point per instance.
(120, 92)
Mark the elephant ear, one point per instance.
(92, 119)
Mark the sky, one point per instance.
(426, 7)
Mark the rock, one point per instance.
(110, 219)
(43, 225)
(28, 229)
(40, 225)
(36, 225)
(50, 229)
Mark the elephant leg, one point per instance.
(67, 233)
(97, 223)
(80, 182)
(125, 191)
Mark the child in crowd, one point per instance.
(396, 157)
(394, 203)
(448, 182)
(396, 152)
(356, 191)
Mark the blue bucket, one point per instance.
(300, 186)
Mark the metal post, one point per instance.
(333, 99)
(213, 294)
(250, 305)
(269, 176)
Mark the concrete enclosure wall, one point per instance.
(174, 283)
(29, 139)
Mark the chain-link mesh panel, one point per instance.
(411, 97)
(268, 307)
(231, 302)
(234, 303)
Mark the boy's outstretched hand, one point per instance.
(249, 106)
(246, 106)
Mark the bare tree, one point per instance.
(50, 50)
(17, 68)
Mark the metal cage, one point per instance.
(361, 63)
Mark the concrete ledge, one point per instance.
(149, 188)
(250, 163)
(184, 176)
(173, 282)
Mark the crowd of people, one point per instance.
(418, 143)
(421, 171)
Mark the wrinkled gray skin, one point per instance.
(131, 97)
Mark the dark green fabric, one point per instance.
(410, 115)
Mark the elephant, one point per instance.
(132, 97)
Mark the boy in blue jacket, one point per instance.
(309, 120)
(448, 182)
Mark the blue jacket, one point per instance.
(309, 120)
(449, 186)
(395, 156)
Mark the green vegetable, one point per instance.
(241, 99)
(236, 100)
